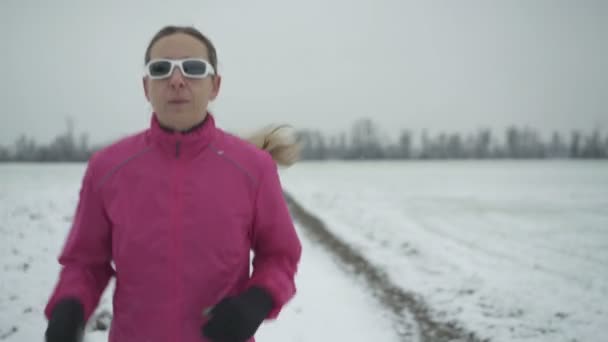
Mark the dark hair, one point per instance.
(169, 30)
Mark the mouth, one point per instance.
(178, 101)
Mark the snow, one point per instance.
(330, 306)
(512, 250)
(36, 205)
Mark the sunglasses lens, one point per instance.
(160, 68)
(195, 68)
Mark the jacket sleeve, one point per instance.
(275, 243)
(86, 255)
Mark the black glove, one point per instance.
(66, 323)
(236, 319)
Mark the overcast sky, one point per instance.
(440, 65)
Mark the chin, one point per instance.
(181, 119)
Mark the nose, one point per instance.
(177, 79)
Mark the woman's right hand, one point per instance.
(67, 322)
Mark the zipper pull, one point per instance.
(177, 150)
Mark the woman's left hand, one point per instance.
(236, 319)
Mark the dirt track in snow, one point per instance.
(412, 317)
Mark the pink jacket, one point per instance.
(174, 217)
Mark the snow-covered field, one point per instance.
(36, 205)
(512, 250)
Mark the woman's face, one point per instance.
(180, 102)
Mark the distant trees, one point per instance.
(65, 147)
(365, 140)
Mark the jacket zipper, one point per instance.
(175, 228)
(177, 148)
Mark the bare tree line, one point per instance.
(365, 141)
(66, 147)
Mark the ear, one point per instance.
(216, 82)
(144, 82)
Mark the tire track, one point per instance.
(400, 303)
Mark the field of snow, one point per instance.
(512, 250)
(36, 206)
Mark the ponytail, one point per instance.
(279, 141)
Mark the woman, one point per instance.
(173, 213)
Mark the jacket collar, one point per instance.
(184, 144)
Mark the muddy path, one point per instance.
(412, 316)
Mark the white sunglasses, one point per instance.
(190, 67)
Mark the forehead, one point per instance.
(178, 45)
